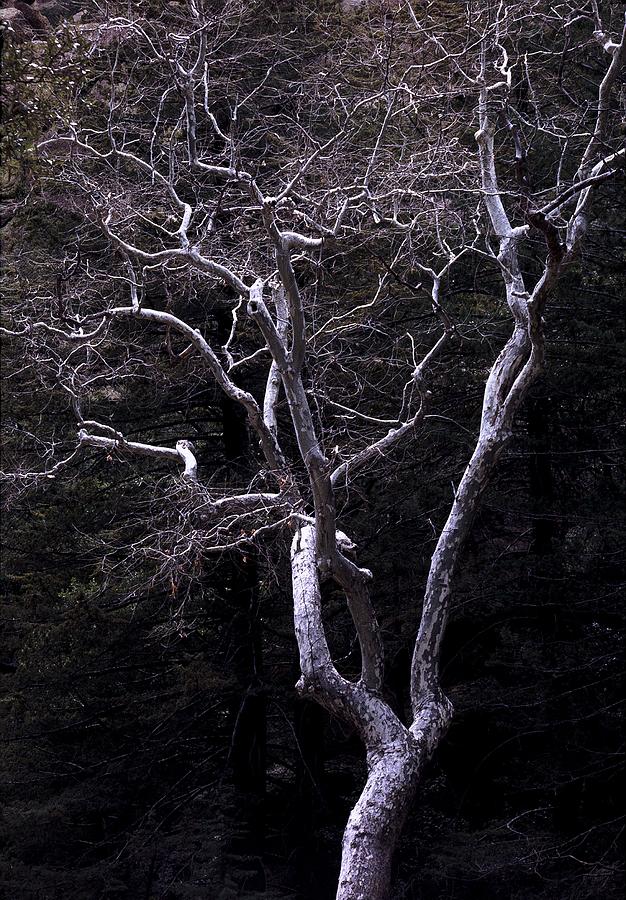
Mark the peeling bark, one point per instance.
(396, 755)
(396, 751)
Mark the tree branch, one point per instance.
(183, 451)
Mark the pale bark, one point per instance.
(267, 439)
(396, 754)
(375, 822)
(183, 451)
(314, 459)
(272, 387)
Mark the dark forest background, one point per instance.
(148, 756)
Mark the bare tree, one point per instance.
(242, 164)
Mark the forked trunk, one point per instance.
(376, 822)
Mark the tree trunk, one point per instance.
(376, 821)
(375, 824)
(395, 754)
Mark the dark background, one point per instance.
(146, 755)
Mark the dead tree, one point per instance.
(212, 187)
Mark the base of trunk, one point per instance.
(376, 821)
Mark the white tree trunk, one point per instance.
(396, 755)
(376, 822)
